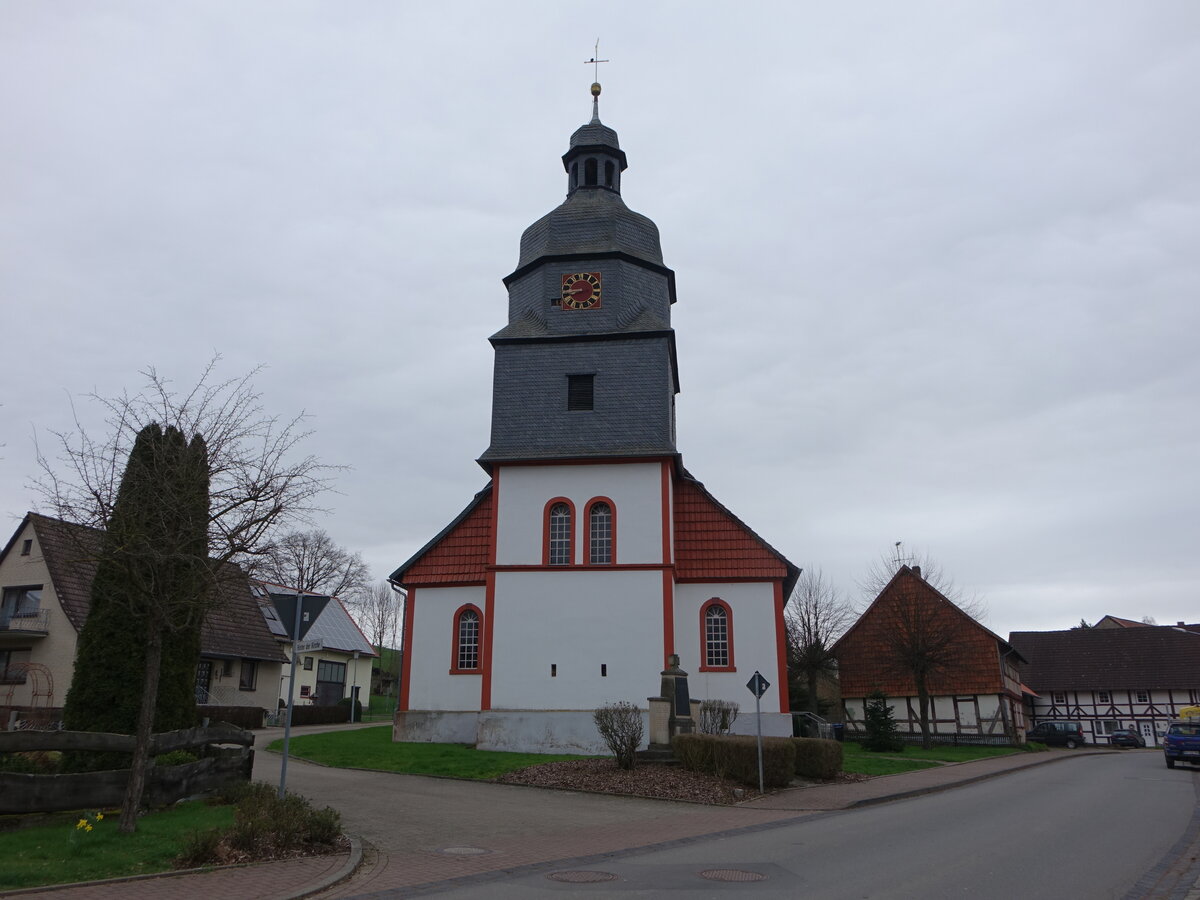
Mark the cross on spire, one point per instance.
(595, 60)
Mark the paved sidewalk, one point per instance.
(420, 831)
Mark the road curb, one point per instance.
(352, 865)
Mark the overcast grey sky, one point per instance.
(937, 263)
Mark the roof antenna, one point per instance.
(595, 61)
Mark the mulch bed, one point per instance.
(652, 780)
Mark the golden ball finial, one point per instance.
(595, 89)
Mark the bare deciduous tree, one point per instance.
(815, 618)
(921, 630)
(257, 482)
(882, 570)
(378, 613)
(311, 561)
(620, 725)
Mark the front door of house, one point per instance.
(1148, 733)
(967, 714)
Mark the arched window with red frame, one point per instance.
(716, 636)
(465, 658)
(602, 545)
(559, 533)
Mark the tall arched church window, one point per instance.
(558, 534)
(600, 533)
(716, 634)
(589, 171)
(467, 630)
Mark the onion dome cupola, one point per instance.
(586, 366)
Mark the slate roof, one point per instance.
(711, 544)
(1158, 657)
(591, 221)
(334, 627)
(233, 629)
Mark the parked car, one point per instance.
(1126, 737)
(1057, 734)
(1181, 743)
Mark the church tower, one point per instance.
(591, 555)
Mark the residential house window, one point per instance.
(1058, 697)
(227, 668)
(308, 663)
(249, 678)
(1106, 726)
(580, 392)
(1103, 697)
(716, 630)
(1143, 696)
(19, 602)
(331, 682)
(558, 533)
(26, 546)
(600, 533)
(9, 662)
(466, 640)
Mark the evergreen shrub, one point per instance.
(817, 758)
(882, 733)
(735, 756)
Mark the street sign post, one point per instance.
(758, 686)
(303, 609)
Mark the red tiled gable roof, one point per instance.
(459, 554)
(234, 628)
(864, 652)
(1158, 657)
(712, 544)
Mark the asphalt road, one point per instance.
(1091, 828)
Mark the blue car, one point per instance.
(1181, 743)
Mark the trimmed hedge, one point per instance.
(736, 756)
(817, 758)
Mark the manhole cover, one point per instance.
(463, 851)
(582, 877)
(732, 875)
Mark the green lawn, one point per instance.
(61, 853)
(373, 748)
(860, 761)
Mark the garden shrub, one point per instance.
(264, 827)
(736, 757)
(882, 733)
(620, 725)
(345, 703)
(817, 758)
(717, 716)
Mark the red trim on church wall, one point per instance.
(587, 532)
(410, 603)
(454, 669)
(785, 701)
(666, 514)
(546, 531)
(709, 604)
(489, 616)
(668, 606)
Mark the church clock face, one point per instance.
(581, 290)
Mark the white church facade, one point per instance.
(591, 555)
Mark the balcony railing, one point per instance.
(37, 622)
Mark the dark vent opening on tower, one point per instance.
(589, 172)
(580, 391)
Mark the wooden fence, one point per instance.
(218, 767)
